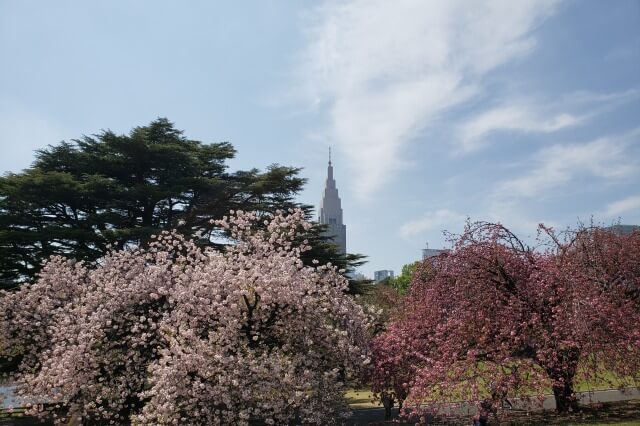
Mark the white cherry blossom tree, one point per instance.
(177, 334)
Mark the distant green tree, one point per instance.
(82, 196)
(403, 281)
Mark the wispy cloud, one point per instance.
(620, 207)
(437, 220)
(384, 71)
(472, 134)
(558, 165)
(531, 116)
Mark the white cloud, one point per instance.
(517, 118)
(432, 221)
(589, 98)
(385, 70)
(618, 208)
(558, 165)
(546, 116)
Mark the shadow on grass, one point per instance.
(624, 413)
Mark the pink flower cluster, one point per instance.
(495, 319)
(176, 334)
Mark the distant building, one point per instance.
(360, 277)
(427, 252)
(382, 275)
(330, 213)
(624, 229)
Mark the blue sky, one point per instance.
(519, 112)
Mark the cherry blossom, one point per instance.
(496, 319)
(175, 334)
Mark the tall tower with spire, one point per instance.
(331, 211)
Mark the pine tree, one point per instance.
(80, 197)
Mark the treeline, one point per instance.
(81, 197)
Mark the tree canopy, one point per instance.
(496, 318)
(175, 333)
(80, 197)
(402, 282)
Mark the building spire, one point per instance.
(330, 212)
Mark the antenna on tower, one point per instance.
(329, 155)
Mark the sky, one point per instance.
(519, 112)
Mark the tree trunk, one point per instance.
(562, 374)
(565, 398)
(387, 402)
(147, 214)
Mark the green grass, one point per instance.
(361, 398)
(606, 380)
(5, 414)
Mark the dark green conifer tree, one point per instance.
(80, 197)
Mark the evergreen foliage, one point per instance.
(80, 197)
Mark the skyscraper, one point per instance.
(382, 275)
(331, 211)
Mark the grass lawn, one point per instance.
(363, 398)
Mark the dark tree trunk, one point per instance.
(147, 214)
(387, 402)
(565, 398)
(562, 374)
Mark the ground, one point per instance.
(625, 413)
(622, 413)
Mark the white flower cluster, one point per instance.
(174, 334)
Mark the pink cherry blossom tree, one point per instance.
(496, 319)
(176, 334)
